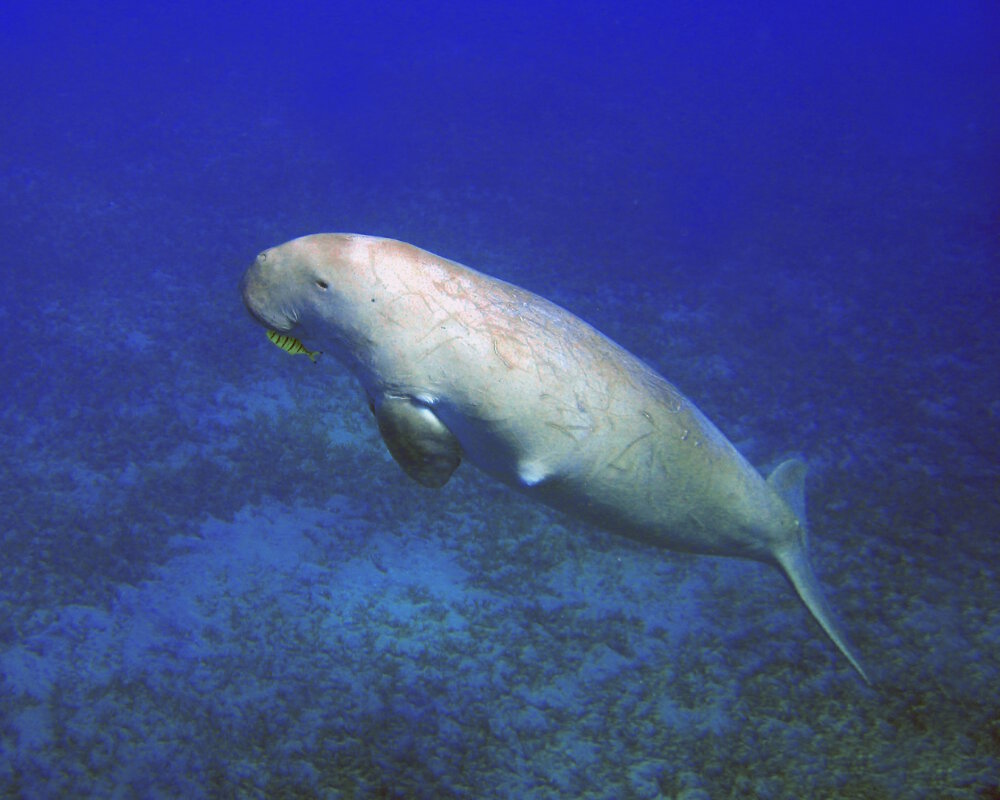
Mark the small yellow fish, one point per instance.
(292, 345)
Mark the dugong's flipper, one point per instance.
(788, 480)
(421, 444)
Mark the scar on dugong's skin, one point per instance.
(458, 365)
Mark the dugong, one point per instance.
(459, 366)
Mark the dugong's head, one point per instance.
(326, 290)
(313, 288)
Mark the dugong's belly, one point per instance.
(664, 475)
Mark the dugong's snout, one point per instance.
(250, 291)
(261, 294)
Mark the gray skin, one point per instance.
(461, 366)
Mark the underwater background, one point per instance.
(214, 581)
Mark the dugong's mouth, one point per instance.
(280, 325)
(255, 301)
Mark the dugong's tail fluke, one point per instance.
(788, 480)
(799, 572)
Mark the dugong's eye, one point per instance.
(322, 285)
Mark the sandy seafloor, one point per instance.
(216, 583)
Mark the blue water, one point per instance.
(214, 581)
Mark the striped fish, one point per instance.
(292, 345)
